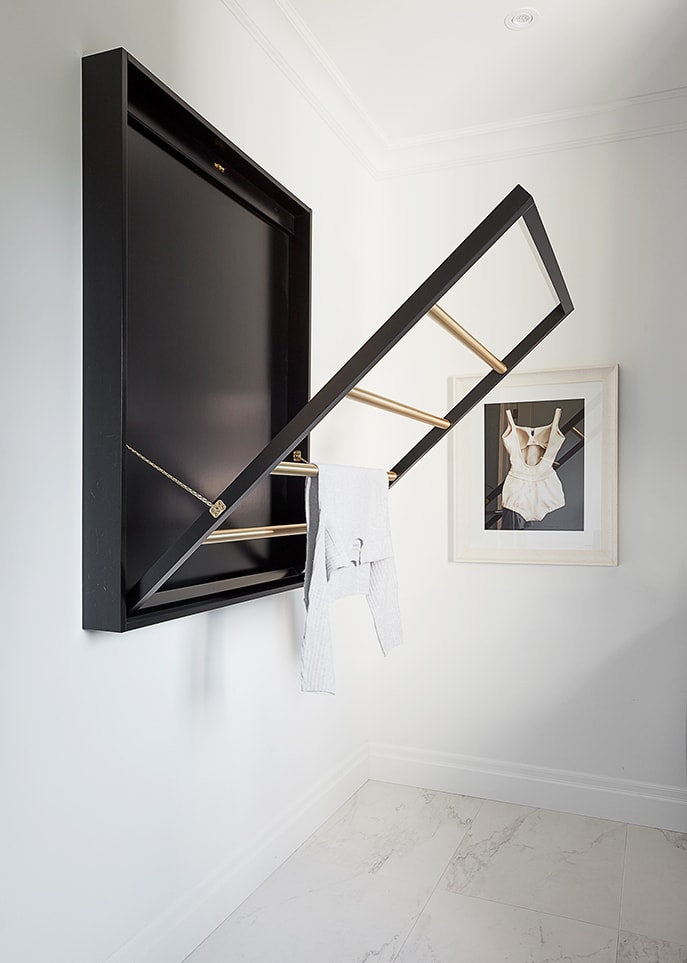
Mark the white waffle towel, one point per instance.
(349, 552)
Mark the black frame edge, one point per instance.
(104, 82)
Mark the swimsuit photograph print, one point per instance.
(534, 465)
(534, 469)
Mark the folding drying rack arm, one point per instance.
(517, 204)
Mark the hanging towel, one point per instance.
(349, 552)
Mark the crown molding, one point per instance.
(636, 118)
(331, 69)
(289, 50)
(286, 39)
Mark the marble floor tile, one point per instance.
(401, 875)
(398, 828)
(633, 948)
(655, 889)
(294, 919)
(556, 863)
(462, 929)
(353, 891)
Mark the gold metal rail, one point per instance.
(221, 535)
(378, 401)
(458, 331)
(297, 467)
(306, 469)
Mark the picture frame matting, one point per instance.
(578, 529)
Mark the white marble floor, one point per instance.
(411, 876)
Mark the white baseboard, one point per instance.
(624, 800)
(178, 931)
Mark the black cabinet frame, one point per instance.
(154, 368)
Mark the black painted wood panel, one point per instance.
(196, 346)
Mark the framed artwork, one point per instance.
(534, 469)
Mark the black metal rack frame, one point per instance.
(518, 204)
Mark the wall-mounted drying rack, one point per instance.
(174, 374)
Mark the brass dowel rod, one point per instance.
(243, 534)
(377, 401)
(306, 469)
(303, 468)
(458, 331)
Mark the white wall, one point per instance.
(149, 780)
(562, 686)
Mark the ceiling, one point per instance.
(425, 72)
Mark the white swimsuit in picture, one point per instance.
(532, 488)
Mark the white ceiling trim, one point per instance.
(427, 165)
(286, 39)
(325, 60)
(628, 120)
(550, 119)
(266, 30)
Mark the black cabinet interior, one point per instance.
(196, 347)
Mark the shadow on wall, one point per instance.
(666, 46)
(637, 678)
(632, 705)
(604, 694)
(228, 637)
(643, 681)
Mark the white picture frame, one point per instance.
(584, 532)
